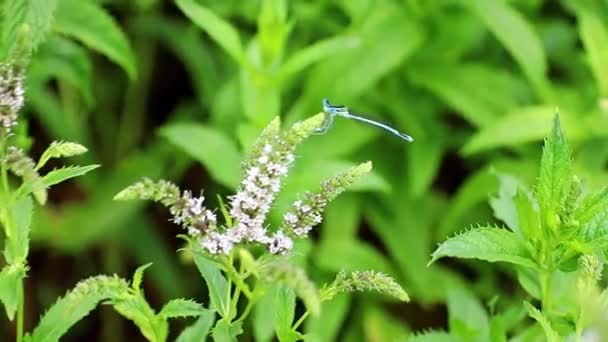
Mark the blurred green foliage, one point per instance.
(176, 89)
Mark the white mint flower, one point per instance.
(11, 96)
(280, 243)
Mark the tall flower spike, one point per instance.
(11, 97)
(269, 162)
(307, 213)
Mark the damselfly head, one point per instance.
(326, 105)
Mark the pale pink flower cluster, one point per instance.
(304, 215)
(190, 213)
(250, 205)
(11, 97)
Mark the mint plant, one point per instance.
(21, 179)
(241, 258)
(556, 242)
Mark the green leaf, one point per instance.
(10, 280)
(327, 326)
(282, 272)
(59, 175)
(519, 39)
(181, 308)
(76, 304)
(503, 205)
(479, 93)
(200, 329)
(433, 336)
(217, 28)
(351, 255)
(138, 276)
(285, 311)
(25, 22)
(136, 309)
(264, 313)
(227, 332)
(350, 73)
(594, 34)
(315, 52)
(467, 317)
(92, 25)
(211, 147)
(517, 127)
(17, 243)
(528, 215)
(380, 325)
(216, 283)
(60, 149)
(550, 334)
(592, 205)
(555, 175)
(63, 59)
(486, 243)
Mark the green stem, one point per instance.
(20, 311)
(246, 312)
(546, 280)
(300, 321)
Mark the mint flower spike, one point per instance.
(307, 213)
(363, 282)
(11, 97)
(187, 211)
(23, 166)
(268, 163)
(591, 268)
(161, 191)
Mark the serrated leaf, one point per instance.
(92, 25)
(550, 334)
(486, 243)
(218, 29)
(592, 205)
(59, 175)
(211, 147)
(59, 149)
(17, 244)
(522, 42)
(181, 308)
(25, 22)
(138, 276)
(76, 304)
(136, 309)
(216, 283)
(555, 175)
(10, 280)
(200, 329)
(227, 332)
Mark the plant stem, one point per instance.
(20, 310)
(300, 321)
(546, 279)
